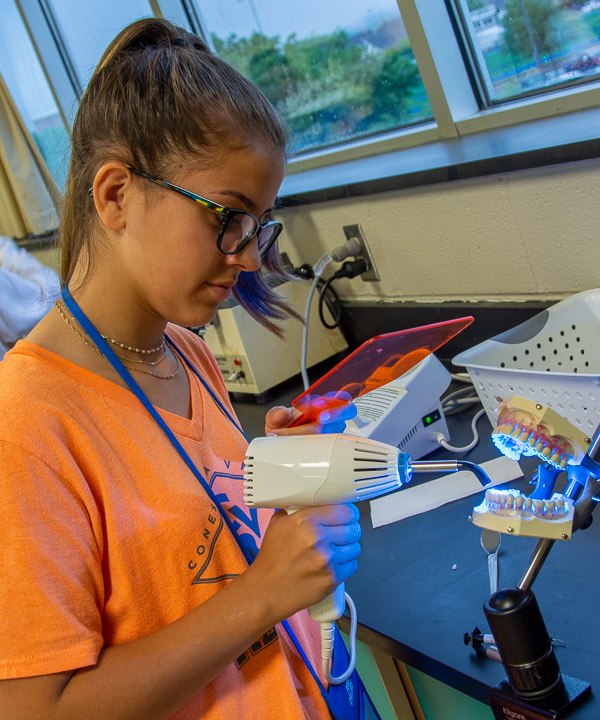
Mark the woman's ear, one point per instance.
(112, 183)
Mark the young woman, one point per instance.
(123, 591)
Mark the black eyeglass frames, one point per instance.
(238, 227)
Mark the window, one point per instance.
(522, 47)
(79, 34)
(28, 87)
(336, 71)
(374, 89)
(87, 28)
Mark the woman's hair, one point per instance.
(158, 97)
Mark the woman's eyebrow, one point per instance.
(245, 200)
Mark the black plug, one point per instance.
(352, 268)
(304, 271)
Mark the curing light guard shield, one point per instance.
(376, 362)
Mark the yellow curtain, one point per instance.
(29, 197)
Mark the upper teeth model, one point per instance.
(529, 428)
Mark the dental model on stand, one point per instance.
(534, 682)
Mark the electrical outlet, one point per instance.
(355, 231)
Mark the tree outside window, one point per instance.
(335, 87)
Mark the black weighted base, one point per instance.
(506, 705)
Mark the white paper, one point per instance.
(438, 492)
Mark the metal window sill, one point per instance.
(548, 141)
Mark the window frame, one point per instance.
(452, 95)
(463, 140)
(53, 56)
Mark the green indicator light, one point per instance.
(428, 420)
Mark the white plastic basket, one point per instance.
(552, 358)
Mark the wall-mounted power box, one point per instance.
(252, 359)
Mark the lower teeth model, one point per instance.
(509, 511)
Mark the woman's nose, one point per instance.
(248, 258)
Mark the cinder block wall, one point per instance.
(523, 235)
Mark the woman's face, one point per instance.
(169, 252)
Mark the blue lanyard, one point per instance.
(112, 357)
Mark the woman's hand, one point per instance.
(330, 413)
(305, 556)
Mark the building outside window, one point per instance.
(522, 47)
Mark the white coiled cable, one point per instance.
(327, 636)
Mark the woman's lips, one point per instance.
(221, 291)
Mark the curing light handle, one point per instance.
(332, 606)
(326, 612)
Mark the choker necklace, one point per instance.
(155, 374)
(61, 307)
(163, 355)
(134, 349)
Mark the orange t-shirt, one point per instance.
(106, 534)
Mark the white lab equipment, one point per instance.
(298, 471)
(28, 289)
(552, 359)
(406, 412)
(252, 359)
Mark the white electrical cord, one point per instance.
(456, 403)
(442, 440)
(327, 636)
(462, 377)
(451, 399)
(338, 254)
(318, 269)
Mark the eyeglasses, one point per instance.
(238, 227)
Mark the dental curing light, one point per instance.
(292, 472)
